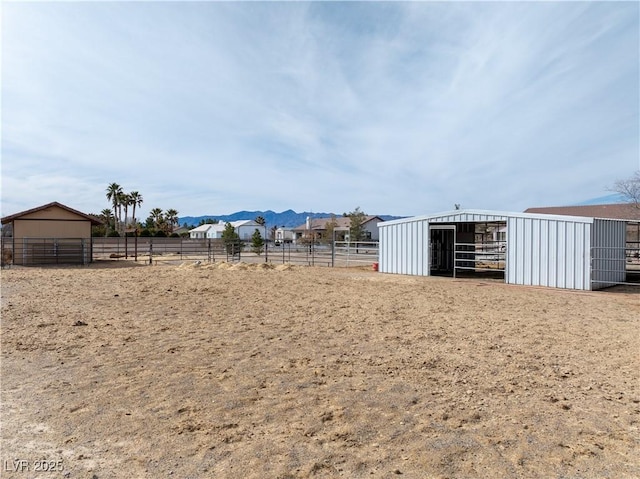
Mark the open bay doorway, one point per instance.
(442, 239)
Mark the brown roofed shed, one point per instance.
(616, 211)
(49, 234)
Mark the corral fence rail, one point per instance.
(6, 246)
(166, 249)
(355, 253)
(486, 256)
(616, 265)
(46, 251)
(154, 250)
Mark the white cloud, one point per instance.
(400, 108)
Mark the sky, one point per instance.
(398, 108)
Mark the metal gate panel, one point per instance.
(46, 251)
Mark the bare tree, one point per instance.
(629, 188)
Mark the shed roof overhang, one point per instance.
(481, 216)
(11, 218)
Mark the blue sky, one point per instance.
(398, 108)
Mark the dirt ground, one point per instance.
(248, 371)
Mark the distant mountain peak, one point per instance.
(288, 218)
(611, 199)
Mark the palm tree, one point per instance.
(125, 201)
(164, 226)
(136, 200)
(172, 218)
(156, 216)
(114, 191)
(107, 217)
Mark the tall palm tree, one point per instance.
(136, 200)
(122, 203)
(114, 191)
(172, 218)
(125, 201)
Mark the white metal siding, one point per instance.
(543, 252)
(404, 248)
(608, 254)
(467, 217)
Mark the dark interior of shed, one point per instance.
(468, 249)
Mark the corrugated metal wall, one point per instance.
(548, 252)
(608, 263)
(559, 252)
(404, 248)
(404, 245)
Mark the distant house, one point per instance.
(285, 235)
(244, 229)
(50, 234)
(318, 227)
(204, 231)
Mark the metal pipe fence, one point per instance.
(46, 251)
(167, 249)
(486, 256)
(612, 265)
(354, 253)
(154, 250)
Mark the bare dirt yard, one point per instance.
(251, 371)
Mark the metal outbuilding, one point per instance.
(528, 249)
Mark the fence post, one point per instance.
(333, 251)
(150, 250)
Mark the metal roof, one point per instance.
(479, 216)
(202, 228)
